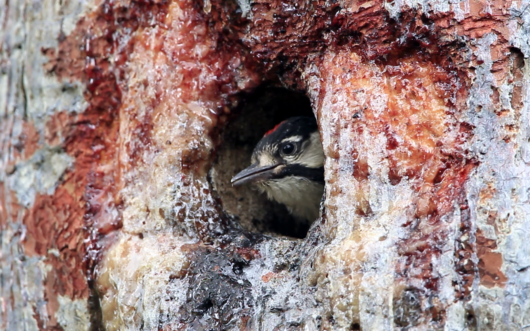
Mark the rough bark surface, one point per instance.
(114, 207)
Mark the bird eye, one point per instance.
(288, 149)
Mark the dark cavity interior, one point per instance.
(257, 113)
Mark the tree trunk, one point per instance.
(123, 121)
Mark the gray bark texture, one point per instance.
(122, 122)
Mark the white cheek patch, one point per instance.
(313, 155)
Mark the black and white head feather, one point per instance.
(288, 165)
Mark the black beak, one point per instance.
(254, 173)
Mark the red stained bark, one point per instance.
(147, 67)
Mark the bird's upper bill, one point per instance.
(255, 173)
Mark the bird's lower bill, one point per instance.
(254, 174)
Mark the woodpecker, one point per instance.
(288, 165)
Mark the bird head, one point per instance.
(288, 164)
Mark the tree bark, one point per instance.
(113, 215)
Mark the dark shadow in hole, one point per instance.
(257, 113)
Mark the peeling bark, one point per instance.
(114, 213)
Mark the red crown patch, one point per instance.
(273, 129)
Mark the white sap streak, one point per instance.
(429, 7)
(504, 171)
